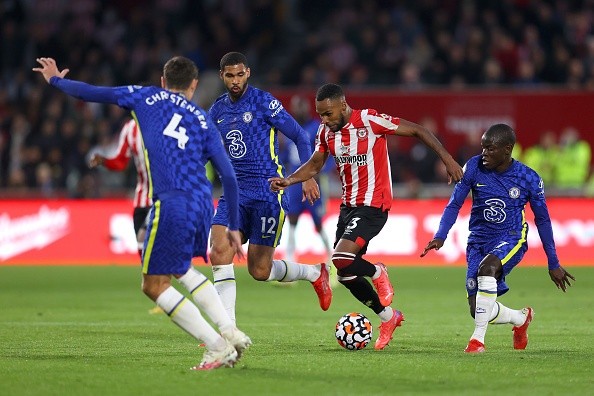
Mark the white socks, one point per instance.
(485, 301)
(503, 315)
(187, 316)
(288, 271)
(378, 272)
(224, 283)
(206, 298)
(386, 314)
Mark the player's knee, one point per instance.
(219, 254)
(341, 261)
(259, 273)
(490, 266)
(151, 290)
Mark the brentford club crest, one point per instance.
(362, 133)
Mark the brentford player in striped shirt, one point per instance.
(357, 141)
(130, 146)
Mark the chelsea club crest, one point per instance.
(514, 192)
(247, 117)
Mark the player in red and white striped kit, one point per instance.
(357, 140)
(130, 146)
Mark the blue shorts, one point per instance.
(297, 206)
(178, 228)
(260, 222)
(510, 251)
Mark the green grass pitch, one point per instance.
(87, 331)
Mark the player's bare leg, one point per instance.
(140, 240)
(221, 259)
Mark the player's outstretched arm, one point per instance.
(435, 243)
(306, 171)
(408, 128)
(77, 89)
(560, 277)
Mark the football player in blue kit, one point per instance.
(178, 140)
(249, 120)
(501, 187)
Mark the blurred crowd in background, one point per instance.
(45, 137)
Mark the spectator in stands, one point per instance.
(543, 157)
(442, 44)
(423, 159)
(573, 162)
(470, 147)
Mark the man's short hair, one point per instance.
(502, 134)
(329, 91)
(233, 58)
(179, 72)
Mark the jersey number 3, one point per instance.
(177, 131)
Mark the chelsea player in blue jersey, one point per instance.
(178, 140)
(248, 120)
(501, 187)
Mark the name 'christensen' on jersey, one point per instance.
(177, 135)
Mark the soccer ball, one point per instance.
(353, 331)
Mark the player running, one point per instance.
(178, 140)
(501, 187)
(249, 120)
(357, 140)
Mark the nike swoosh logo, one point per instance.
(221, 120)
(265, 236)
(480, 185)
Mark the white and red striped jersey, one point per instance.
(130, 145)
(360, 151)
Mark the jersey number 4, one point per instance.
(177, 131)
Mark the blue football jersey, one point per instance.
(498, 199)
(249, 128)
(498, 204)
(178, 138)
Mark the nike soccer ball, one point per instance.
(353, 331)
